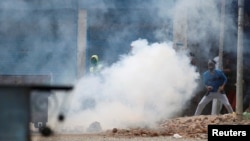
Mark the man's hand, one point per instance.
(221, 89)
(209, 88)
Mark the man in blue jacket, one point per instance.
(214, 81)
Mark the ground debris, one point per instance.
(187, 127)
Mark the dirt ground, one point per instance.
(193, 128)
(105, 138)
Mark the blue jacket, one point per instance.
(215, 80)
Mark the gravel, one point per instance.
(193, 128)
(84, 137)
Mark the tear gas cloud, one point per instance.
(204, 24)
(202, 18)
(151, 79)
(49, 27)
(151, 83)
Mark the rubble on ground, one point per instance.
(187, 127)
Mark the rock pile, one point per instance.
(186, 127)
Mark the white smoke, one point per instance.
(151, 83)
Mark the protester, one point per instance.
(214, 81)
(95, 64)
(95, 68)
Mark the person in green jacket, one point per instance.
(95, 68)
(95, 65)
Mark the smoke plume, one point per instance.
(151, 83)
